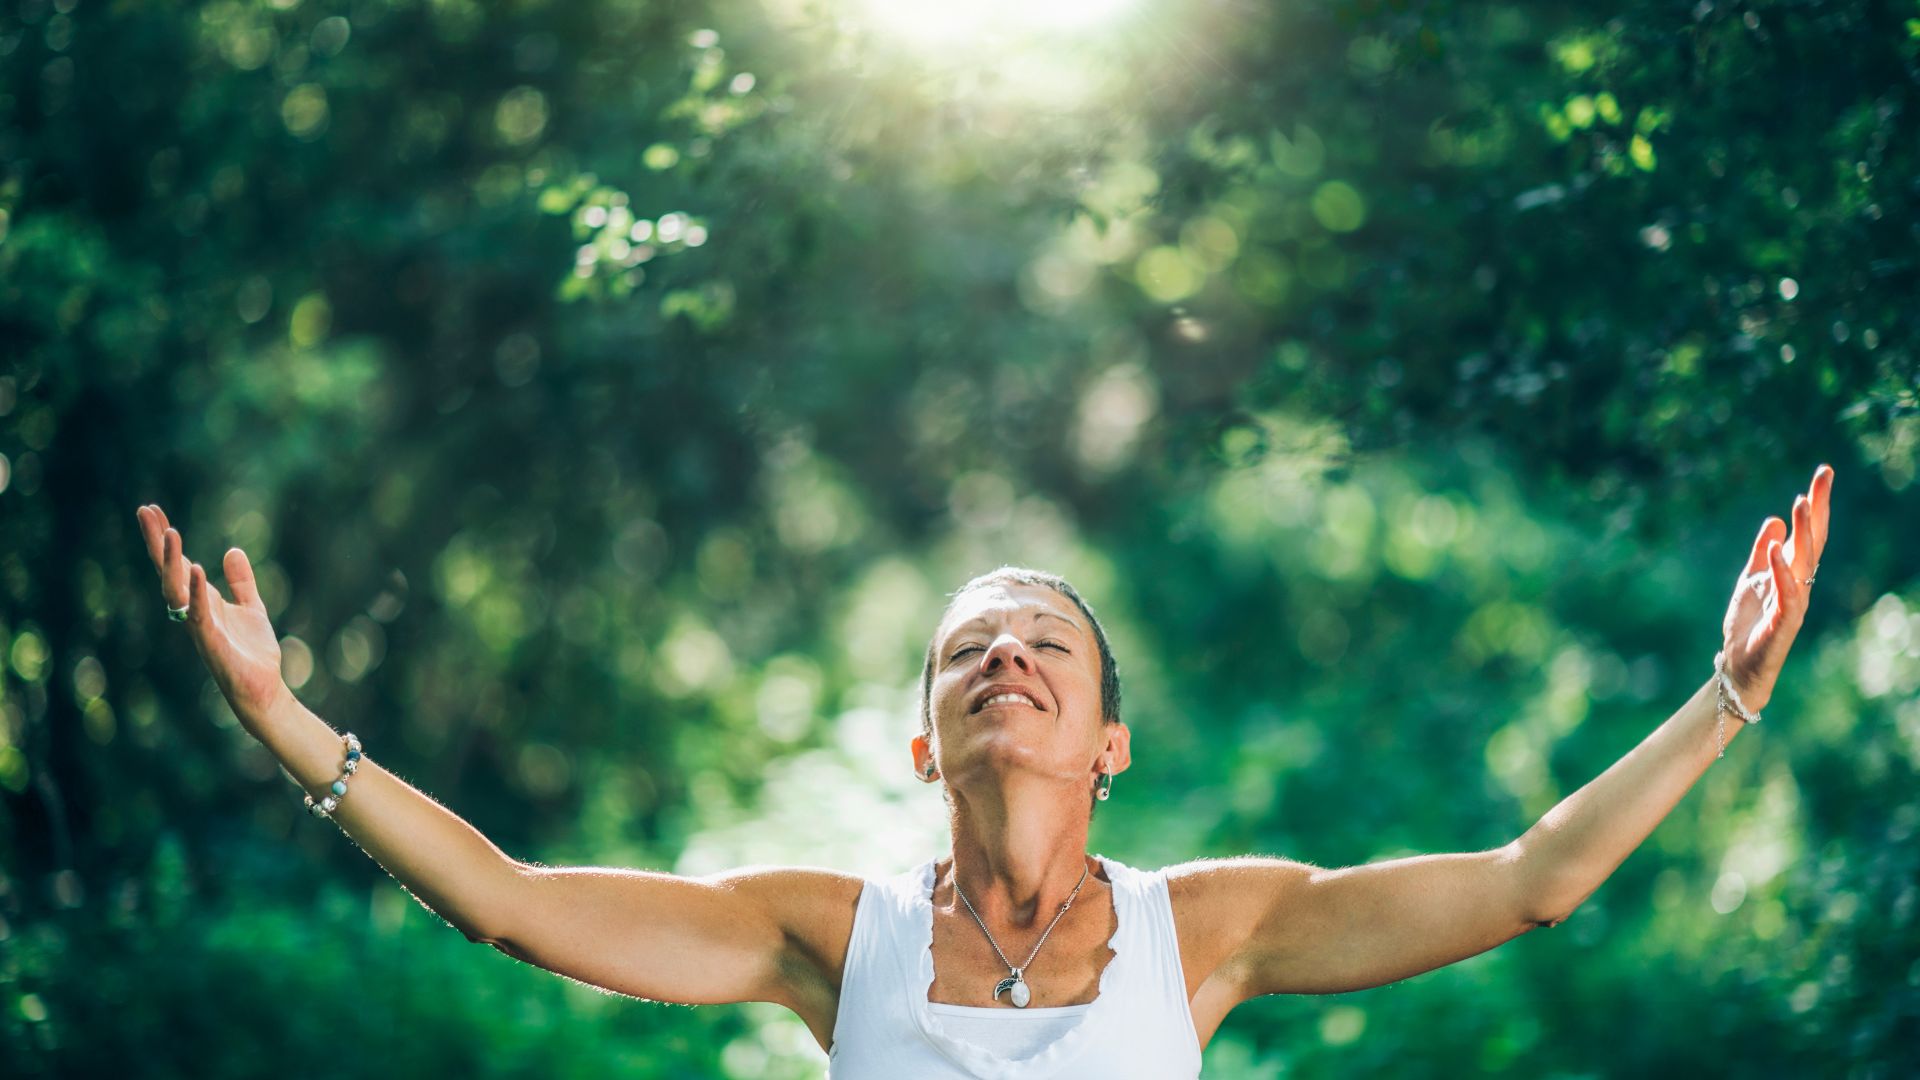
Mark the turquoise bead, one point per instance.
(339, 787)
(353, 755)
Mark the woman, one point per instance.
(1015, 954)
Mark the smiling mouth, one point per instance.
(1010, 701)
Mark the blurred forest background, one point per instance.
(610, 391)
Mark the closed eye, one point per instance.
(965, 649)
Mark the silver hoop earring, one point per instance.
(1106, 787)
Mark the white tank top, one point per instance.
(1140, 1024)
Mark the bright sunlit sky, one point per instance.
(958, 25)
(1053, 54)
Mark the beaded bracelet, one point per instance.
(328, 802)
(1729, 698)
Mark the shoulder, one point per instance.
(812, 882)
(810, 910)
(1213, 888)
(807, 902)
(1221, 904)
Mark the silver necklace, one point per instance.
(1016, 982)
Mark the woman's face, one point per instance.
(1022, 639)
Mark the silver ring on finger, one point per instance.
(177, 614)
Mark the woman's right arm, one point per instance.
(759, 934)
(776, 934)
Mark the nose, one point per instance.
(1007, 651)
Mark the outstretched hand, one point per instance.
(1770, 600)
(236, 640)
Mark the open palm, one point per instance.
(236, 640)
(1770, 599)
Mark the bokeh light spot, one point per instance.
(304, 111)
(521, 115)
(1164, 274)
(296, 662)
(1339, 206)
(311, 319)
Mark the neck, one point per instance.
(1019, 850)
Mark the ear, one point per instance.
(1117, 755)
(922, 758)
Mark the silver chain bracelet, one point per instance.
(1728, 698)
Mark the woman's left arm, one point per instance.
(1273, 926)
(1572, 849)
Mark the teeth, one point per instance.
(997, 698)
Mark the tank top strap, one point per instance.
(876, 980)
(885, 926)
(1152, 941)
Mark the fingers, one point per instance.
(157, 519)
(1800, 541)
(199, 614)
(150, 529)
(163, 547)
(1792, 595)
(1820, 494)
(177, 580)
(246, 591)
(173, 571)
(1770, 530)
(1810, 522)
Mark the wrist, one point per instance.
(1751, 695)
(275, 714)
(1743, 699)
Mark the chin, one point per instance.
(1001, 752)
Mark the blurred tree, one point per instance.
(608, 392)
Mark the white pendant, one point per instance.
(1016, 983)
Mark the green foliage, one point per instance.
(609, 393)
